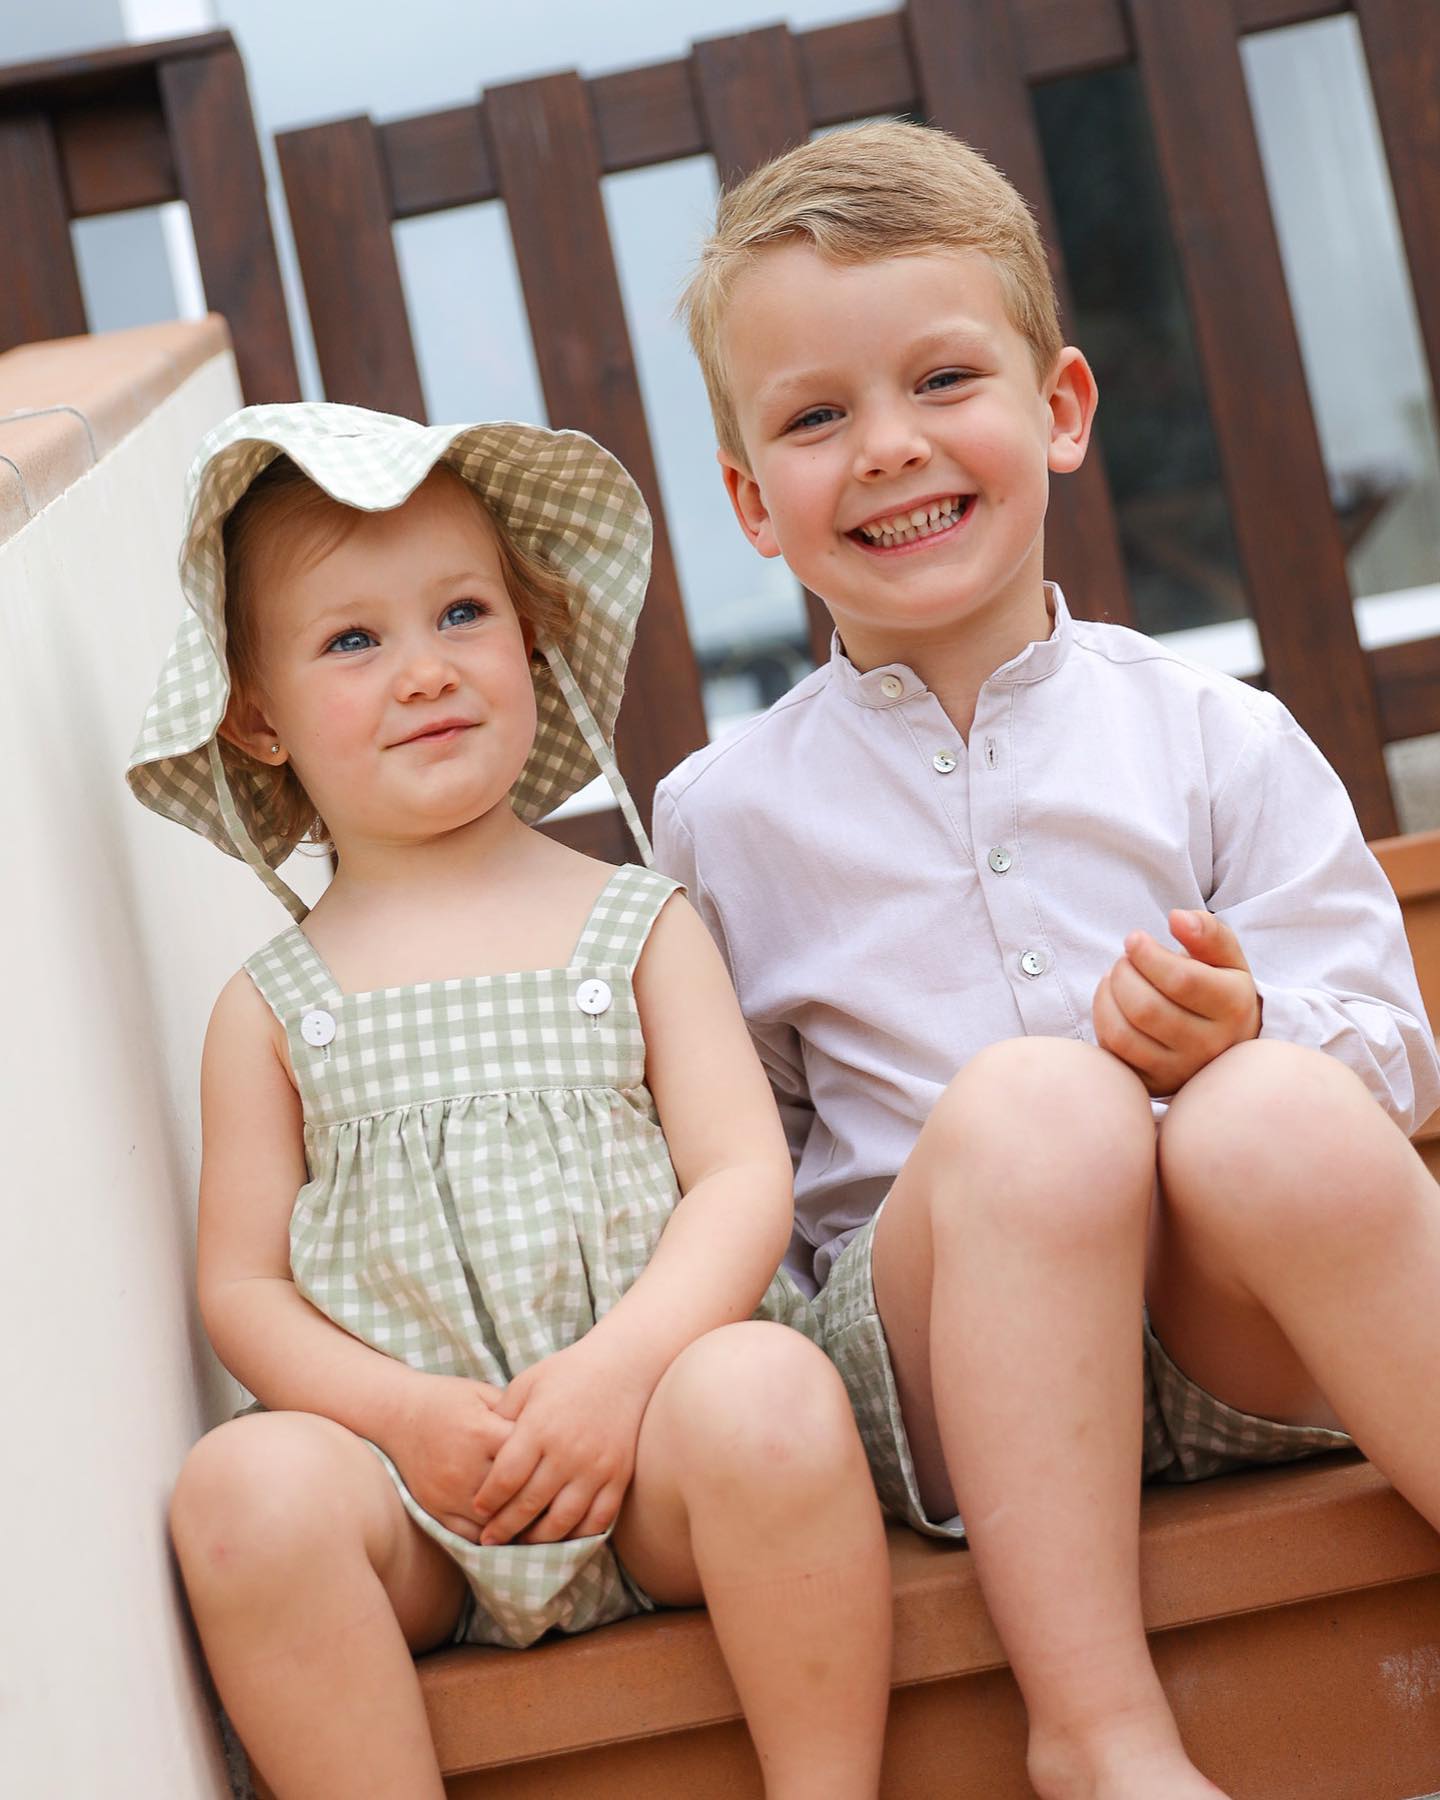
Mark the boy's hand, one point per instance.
(446, 1442)
(570, 1457)
(1166, 1012)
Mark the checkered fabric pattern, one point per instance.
(561, 495)
(487, 1177)
(1188, 1434)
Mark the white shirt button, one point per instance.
(593, 996)
(891, 686)
(1000, 859)
(942, 762)
(318, 1028)
(1033, 963)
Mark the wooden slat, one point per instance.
(1289, 544)
(40, 288)
(115, 156)
(217, 160)
(1402, 48)
(92, 71)
(340, 214)
(645, 116)
(752, 99)
(972, 84)
(1407, 683)
(548, 161)
(437, 161)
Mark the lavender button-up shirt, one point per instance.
(890, 899)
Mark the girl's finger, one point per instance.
(513, 1467)
(604, 1510)
(524, 1509)
(562, 1515)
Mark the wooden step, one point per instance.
(1295, 1616)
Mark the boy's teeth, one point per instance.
(921, 521)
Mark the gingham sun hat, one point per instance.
(557, 492)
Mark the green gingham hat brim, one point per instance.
(559, 494)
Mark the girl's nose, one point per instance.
(424, 674)
(889, 445)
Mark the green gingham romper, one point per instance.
(487, 1177)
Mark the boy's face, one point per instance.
(867, 393)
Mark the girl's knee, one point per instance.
(265, 1491)
(759, 1403)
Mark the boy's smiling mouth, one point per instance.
(920, 523)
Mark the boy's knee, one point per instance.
(1272, 1140)
(1050, 1135)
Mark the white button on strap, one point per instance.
(593, 996)
(318, 1028)
(1000, 859)
(891, 686)
(942, 762)
(1034, 962)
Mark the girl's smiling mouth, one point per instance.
(911, 526)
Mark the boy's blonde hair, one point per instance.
(886, 189)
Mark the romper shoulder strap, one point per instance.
(621, 918)
(291, 975)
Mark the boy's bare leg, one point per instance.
(1296, 1260)
(751, 1490)
(310, 1587)
(1009, 1270)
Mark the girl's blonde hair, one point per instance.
(885, 189)
(283, 502)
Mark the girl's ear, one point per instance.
(1073, 398)
(749, 503)
(247, 728)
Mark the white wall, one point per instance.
(118, 930)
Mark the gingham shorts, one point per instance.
(1188, 1433)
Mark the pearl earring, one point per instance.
(274, 749)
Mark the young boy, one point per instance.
(943, 869)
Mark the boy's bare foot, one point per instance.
(1142, 1761)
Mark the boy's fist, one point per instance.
(1169, 1012)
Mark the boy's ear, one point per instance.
(749, 504)
(247, 728)
(1073, 399)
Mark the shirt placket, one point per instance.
(1016, 917)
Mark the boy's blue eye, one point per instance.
(355, 639)
(464, 612)
(812, 420)
(942, 379)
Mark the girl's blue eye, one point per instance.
(355, 639)
(464, 612)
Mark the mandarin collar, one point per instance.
(894, 683)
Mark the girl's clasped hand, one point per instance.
(493, 1188)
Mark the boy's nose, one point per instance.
(889, 449)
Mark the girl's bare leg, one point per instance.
(751, 1490)
(1297, 1261)
(1009, 1270)
(310, 1587)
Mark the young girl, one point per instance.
(503, 1339)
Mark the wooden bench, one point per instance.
(1294, 1615)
